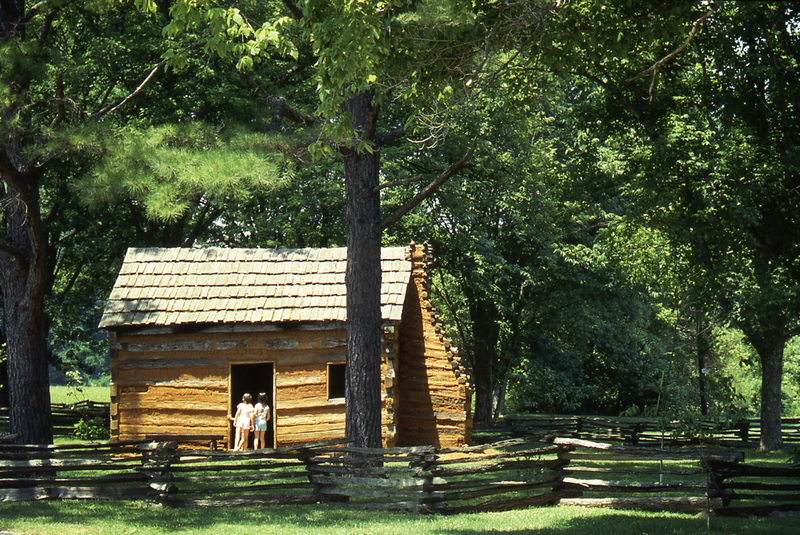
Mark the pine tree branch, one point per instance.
(388, 138)
(62, 108)
(47, 24)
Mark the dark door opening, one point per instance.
(253, 379)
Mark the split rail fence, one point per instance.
(637, 431)
(65, 416)
(656, 479)
(504, 475)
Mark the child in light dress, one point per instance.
(261, 417)
(243, 422)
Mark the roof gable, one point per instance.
(179, 286)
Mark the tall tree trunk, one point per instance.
(363, 281)
(769, 339)
(703, 352)
(24, 273)
(484, 349)
(29, 384)
(499, 396)
(4, 381)
(24, 280)
(771, 378)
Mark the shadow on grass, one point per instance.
(139, 517)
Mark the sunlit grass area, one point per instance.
(69, 394)
(58, 518)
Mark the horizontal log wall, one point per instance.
(170, 383)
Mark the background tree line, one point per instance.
(615, 222)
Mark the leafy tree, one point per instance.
(305, 211)
(68, 71)
(714, 164)
(55, 81)
(369, 60)
(522, 270)
(30, 113)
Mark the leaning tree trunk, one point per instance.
(363, 281)
(23, 279)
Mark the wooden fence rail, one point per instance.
(504, 475)
(636, 477)
(211, 478)
(97, 471)
(66, 415)
(487, 477)
(748, 489)
(636, 431)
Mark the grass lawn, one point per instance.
(68, 394)
(76, 517)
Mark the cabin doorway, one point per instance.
(253, 379)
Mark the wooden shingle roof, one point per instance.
(179, 286)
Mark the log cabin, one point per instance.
(191, 330)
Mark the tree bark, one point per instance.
(24, 280)
(703, 352)
(771, 378)
(363, 282)
(24, 267)
(769, 339)
(484, 357)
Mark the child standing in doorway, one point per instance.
(261, 417)
(243, 422)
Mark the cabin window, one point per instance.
(336, 380)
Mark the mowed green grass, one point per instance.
(77, 517)
(67, 394)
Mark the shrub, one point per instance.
(94, 429)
